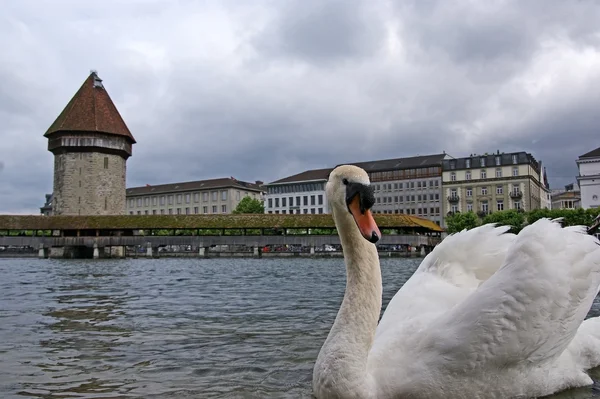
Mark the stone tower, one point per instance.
(91, 144)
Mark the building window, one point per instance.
(469, 192)
(162, 211)
(154, 211)
(205, 209)
(162, 200)
(517, 205)
(224, 195)
(515, 171)
(215, 196)
(105, 203)
(270, 203)
(188, 197)
(497, 161)
(154, 201)
(482, 162)
(224, 208)
(312, 200)
(205, 197)
(196, 210)
(237, 195)
(276, 202)
(170, 211)
(187, 210)
(483, 174)
(196, 197)
(514, 158)
(468, 163)
(179, 198)
(320, 210)
(105, 162)
(469, 207)
(453, 176)
(454, 208)
(214, 209)
(131, 203)
(484, 207)
(500, 205)
(179, 211)
(320, 197)
(139, 202)
(291, 201)
(499, 190)
(170, 200)
(468, 176)
(483, 190)
(498, 172)
(146, 201)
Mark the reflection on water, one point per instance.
(172, 328)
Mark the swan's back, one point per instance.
(488, 304)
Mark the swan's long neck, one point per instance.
(342, 363)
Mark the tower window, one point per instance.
(105, 203)
(105, 162)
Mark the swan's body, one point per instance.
(487, 314)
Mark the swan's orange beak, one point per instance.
(365, 222)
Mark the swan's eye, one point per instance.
(345, 181)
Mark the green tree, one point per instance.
(460, 221)
(249, 205)
(512, 218)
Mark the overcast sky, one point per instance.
(260, 90)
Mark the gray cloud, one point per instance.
(261, 91)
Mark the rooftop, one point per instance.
(91, 110)
(592, 154)
(490, 161)
(226, 182)
(420, 161)
(307, 175)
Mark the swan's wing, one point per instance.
(529, 310)
(449, 274)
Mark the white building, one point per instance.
(303, 193)
(589, 179)
(545, 193)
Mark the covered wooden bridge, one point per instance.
(99, 236)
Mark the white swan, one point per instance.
(487, 314)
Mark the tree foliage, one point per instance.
(518, 219)
(249, 205)
(459, 221)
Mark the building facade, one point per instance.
(569, 198)
(490, 183)
(545, 192)
(409, 185)
(91, 144)
(209, 197)
(589, 179)
(303, 193)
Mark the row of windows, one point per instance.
(482, 161)
(413, 211)
(485, 207)
(409, 185)
(181, 211)
(170, 199)
(484, 191)
(314, 200)
(409, 198)
(406, 174)
(296, 188)
(298, 211)
(483, 174)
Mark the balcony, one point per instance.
(453, 198)
(516, 194)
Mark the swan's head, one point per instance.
(349, 192)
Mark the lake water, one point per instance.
(172, 328)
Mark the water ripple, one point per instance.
(172, 328)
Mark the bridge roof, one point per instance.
(157, 222)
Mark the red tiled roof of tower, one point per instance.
(91, 110)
